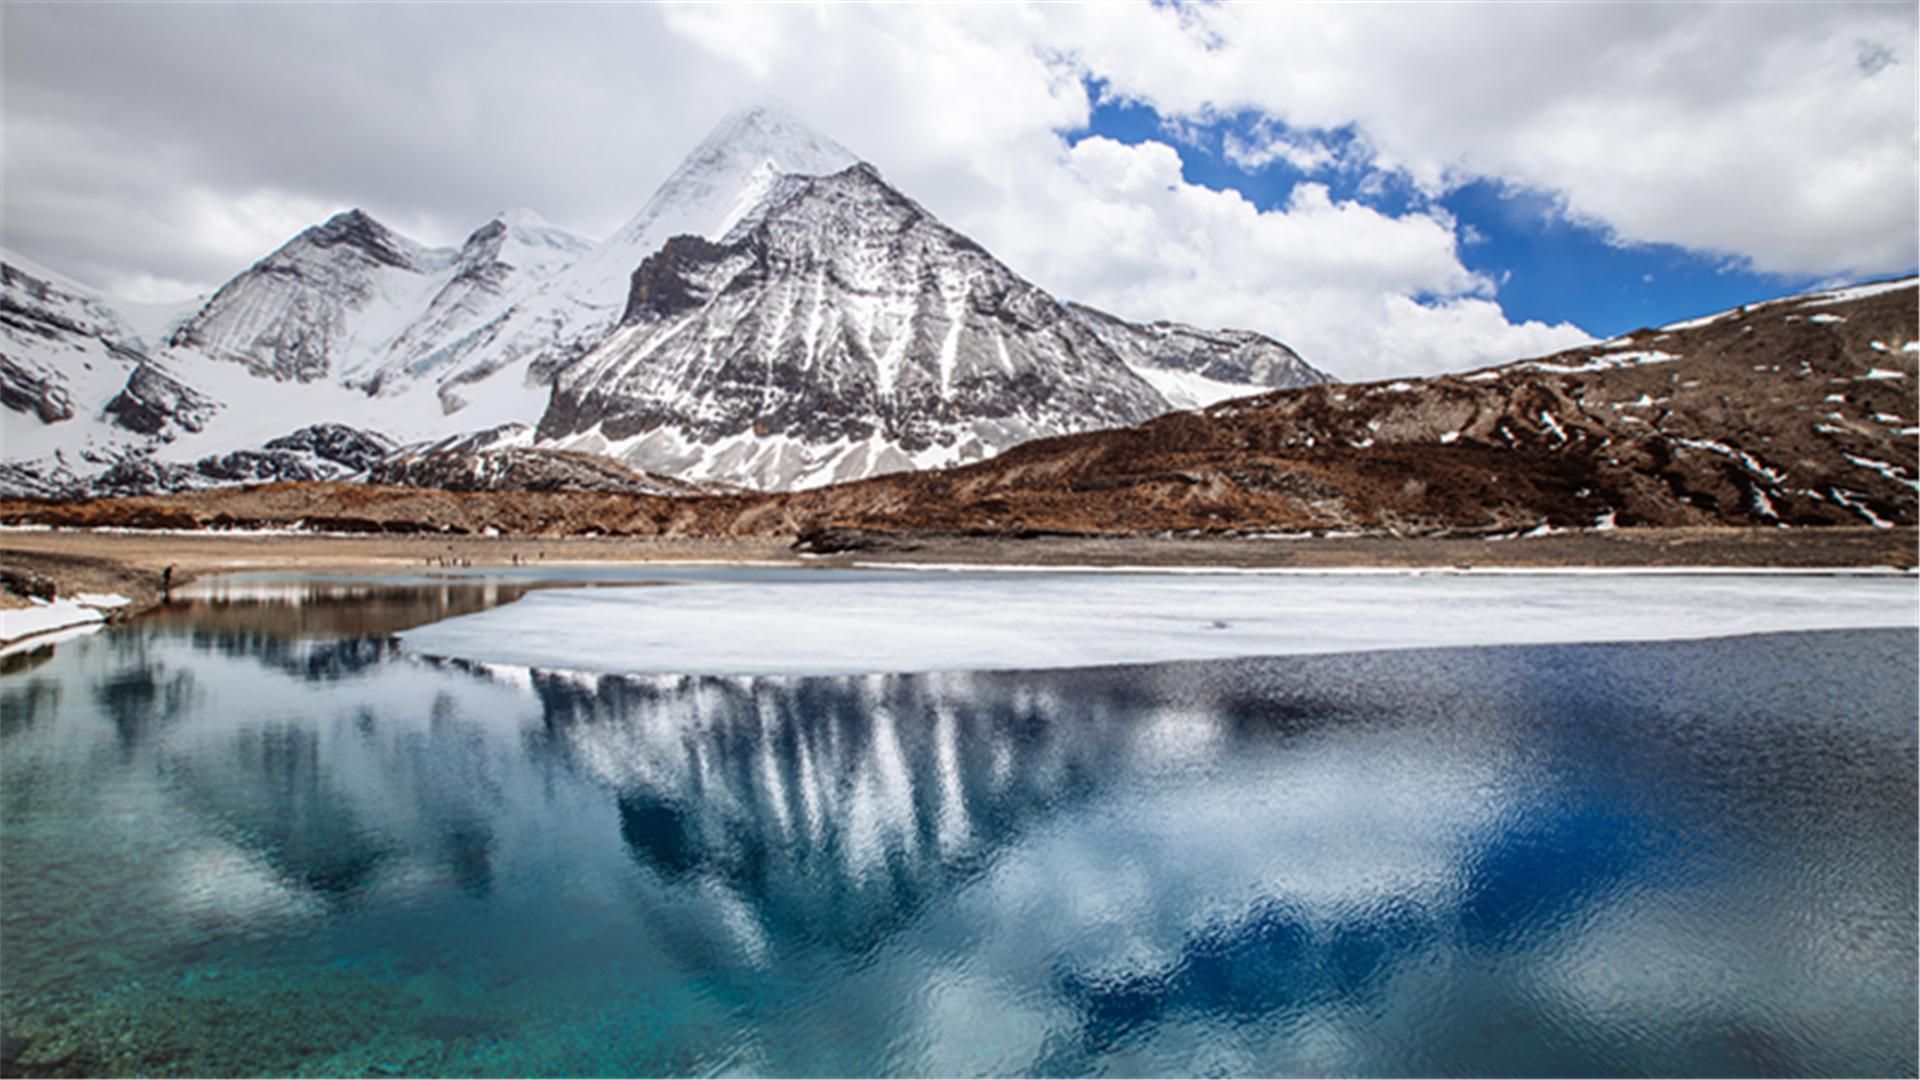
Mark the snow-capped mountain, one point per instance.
(324, 303)
(354, 301)
(839, 331)
(775, 315)
(338, 326)
(725, 178)
(78, 381)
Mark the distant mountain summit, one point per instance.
(324, 300)
(723, 179)
(353, 300)
(775, 315)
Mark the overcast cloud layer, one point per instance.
(156, 150)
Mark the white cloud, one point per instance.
(148, 145)
(1305, 153)
(1784, 134)
(1116, 226)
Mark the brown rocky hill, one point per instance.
(1797, 412)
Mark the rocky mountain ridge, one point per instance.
(1795, 413)
(352, 323)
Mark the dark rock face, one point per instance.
(669, 282)
(351, 448)
(23, 391)
(145, 476)
(521, 469)
(34, 305)
(354, 229)
(315, 453)
(257, 466)
(152, 400)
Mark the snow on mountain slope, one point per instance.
(839, 331)
(498, 264)
(89, 391)
(324, 304)
(64, 353)
(351, 300)
(156, 323)
(57, 337)
(724, 179)
(1194, 368)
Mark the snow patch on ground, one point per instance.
(1859, 292)
(1751, 463)
(1690, 324)
(1025, 621)
(1886, 469)
(101, 600)
(1554, 425)
(45, 616)
(1605, 362)
(1187, 390)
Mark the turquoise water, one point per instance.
(254, 837)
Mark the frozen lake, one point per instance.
(833, 624)
(258, 834)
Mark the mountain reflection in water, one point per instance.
(1678, 858)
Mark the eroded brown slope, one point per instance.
(1798, 412)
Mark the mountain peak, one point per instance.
(357, 229)
(522, 218)
(745, 138)
(350, 224)
(763, 123)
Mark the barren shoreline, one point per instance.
(131, 563)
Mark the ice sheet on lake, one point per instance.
(1014, 622)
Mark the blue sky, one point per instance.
(1546, 266)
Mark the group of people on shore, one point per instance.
(462, 561)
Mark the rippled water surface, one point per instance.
(252, 836)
